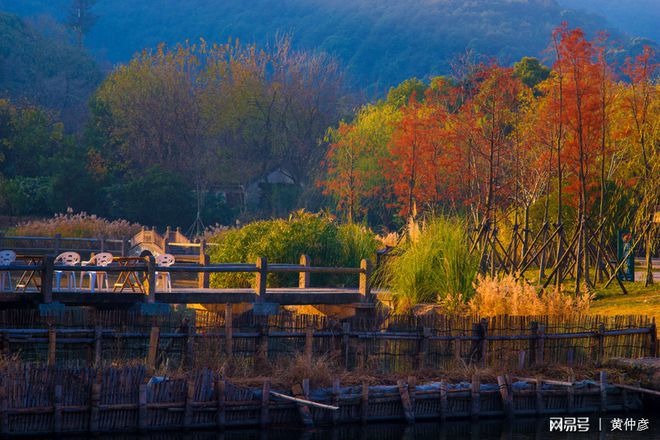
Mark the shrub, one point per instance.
(506, 296)
(284, 241)
(77, 225)
(432, 265)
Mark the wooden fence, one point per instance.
(395, 344)
(42, 401)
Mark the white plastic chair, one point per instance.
(6, 259)
(96, 278)
(66, 259)
(165, 260)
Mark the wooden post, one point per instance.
(220, 417)
(457, 351)
(570, 396)
(142, 407)
(405, 401)
(57, 409)
(521, 359)
(261, 361)
(365, 278)
(98, 340)
(151, 279)
(540, 406)
(444, 404)
(304, 277)
(507, 401)
(52, 346)
(603, 391)
(57, 244)
(94, 410)
(335, 400)
(309, 343)
(540, 344)
(484, 342)
(203, 277)
(47, 274)
(265, 402)
(261, 277)
(600, 356)
(533, 328)
(303, 410)
(423, 347)
(229, 329)
(412, 388)
(189, 345)
(364, 403)
(124, 247)
(475, 391)
(653, 336)
(152, 355)
(345, 341)
(190, 400)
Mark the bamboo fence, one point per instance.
(84, 337)
(48, 400)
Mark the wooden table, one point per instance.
(30, 276)
(128, 278)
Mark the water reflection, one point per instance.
(519, 429)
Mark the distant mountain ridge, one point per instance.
(381, 42)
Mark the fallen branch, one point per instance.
(304, 402)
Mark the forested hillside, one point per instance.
(45, 69)
(381, 42)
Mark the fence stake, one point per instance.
(601, 342)
(533, 328)
(47, 279)
(484, 342)
(364, 406)
(540, 345)
(190, 398)
(335, 400)
(229, 348)
(345, 329)
(457, 351)
(265, 402)
(261, 360)
(57, 409)
(189, 344)
(94, 410)
(98, 340)
(365, 278)
(124, 247)
(153, 349)
(521, 359)
(204, 260)
(405, 401)
(475, 390)
(653, 334)
(423, 347)
(57, 244)
(603, 391)
(261, 277)
(304, 277)
(540, 407)
(507, 402)
(309, 343)
(303, 410)
(220, 387)
(444, 405)
(52, 346)
(142, 407)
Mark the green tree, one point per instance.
(530, 71)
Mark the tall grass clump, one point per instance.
(285, 240)
(77, 225)
(508, 296)
(433, 265)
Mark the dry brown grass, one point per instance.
(77, 225)
(506, 296)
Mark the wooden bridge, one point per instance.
(143, 287)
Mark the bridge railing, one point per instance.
(148, 268)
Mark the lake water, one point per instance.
(519, 429)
